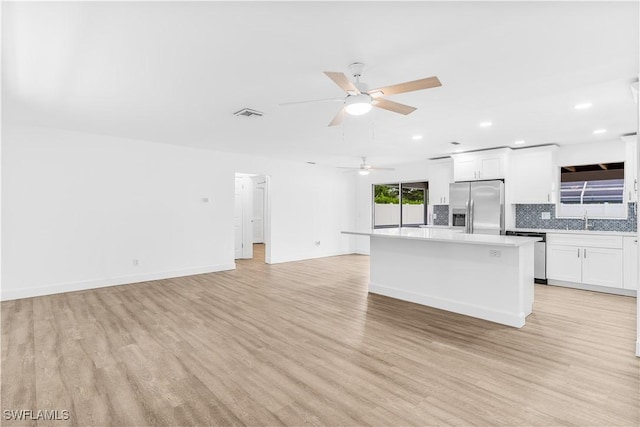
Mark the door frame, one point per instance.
(247, 216)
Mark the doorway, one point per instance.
(251, 219)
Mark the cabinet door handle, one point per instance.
(578, 252)
(585, 252)
(548, 197)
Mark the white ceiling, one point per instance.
(175, 73)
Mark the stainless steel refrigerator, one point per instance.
(477, 207)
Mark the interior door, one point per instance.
(258, 215)
(237, 217)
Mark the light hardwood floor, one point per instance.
(303, 343)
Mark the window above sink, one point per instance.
(595, 190)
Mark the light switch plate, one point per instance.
(545, 215)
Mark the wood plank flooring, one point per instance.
(302, 343)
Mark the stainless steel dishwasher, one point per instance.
(540, 254)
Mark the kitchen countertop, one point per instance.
(445, 235)
(587, 232)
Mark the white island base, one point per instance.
(489, 277)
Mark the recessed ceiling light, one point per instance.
(311, 163)
(599, 131)
(519, 142)
(582, 106)
(416, 137)
(485, 124)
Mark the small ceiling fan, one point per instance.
(364, 168)
(360, 99)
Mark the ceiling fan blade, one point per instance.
(394, 106)
(338, 118)
(313, 100)
(425, 83)
(382, 169)
(341, 80)
(347, 167)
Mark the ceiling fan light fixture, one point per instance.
(358, 105)
(364, 172)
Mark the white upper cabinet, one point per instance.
(533, 175)
(631, 168)
(440, 176)
(480, 165)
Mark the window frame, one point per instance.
(400, 200)
(610, 211)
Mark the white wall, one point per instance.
(79, 208)
(588, 154)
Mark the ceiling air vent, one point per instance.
(248, 112)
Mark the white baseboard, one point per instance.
(593, 288)
(361, 252)
(485, 313)
(303, 258)
(58, 288)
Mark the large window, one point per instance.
(595, 190)
(400, 204)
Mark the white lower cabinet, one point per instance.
(590, 260)
(630, 263)
(602, 266)
(564, 263)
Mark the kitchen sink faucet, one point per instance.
(586, 219)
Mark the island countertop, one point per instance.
(445, 235)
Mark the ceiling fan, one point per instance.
(364, 168)
(360, 99)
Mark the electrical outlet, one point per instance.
(494, 253)
(545, 215)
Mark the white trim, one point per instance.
(638, 347)
(297, 258)
(593, 288)
(361, 252)
(486, 313)
(58, 288)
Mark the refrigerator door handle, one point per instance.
(466, 216)
(471, 217)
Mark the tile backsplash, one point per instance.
(441, 213)
(529, 216)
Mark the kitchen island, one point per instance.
(479, 275)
